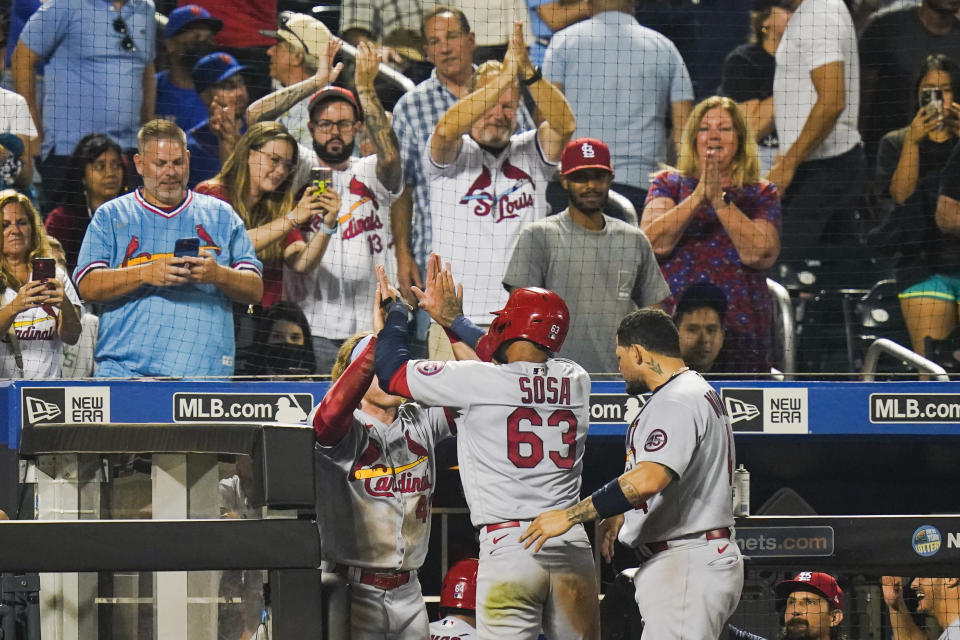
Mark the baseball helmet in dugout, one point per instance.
(531, 313)
(459, 590)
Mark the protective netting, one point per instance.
(787, 227)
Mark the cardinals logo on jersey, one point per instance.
(363, 192)
(381, 481)
(131, 258)
(506, 207)
(206, 240)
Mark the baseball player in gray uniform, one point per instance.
(672, 504)
(375, 477)
(520, 447)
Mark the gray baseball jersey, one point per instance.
(521, 437)
(374, 489)
(451, 628)
(684, 426)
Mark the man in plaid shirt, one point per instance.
(449, 46)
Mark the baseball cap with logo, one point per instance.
(330, 93)
(822, 583)
(190, 14)
(214, 69)
(585, 153)
(303, 32)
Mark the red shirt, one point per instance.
(272, 271)
(242, 20)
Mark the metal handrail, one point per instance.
(386, 70)
(629, 211)
(788, 326)
(917, 361)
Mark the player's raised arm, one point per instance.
(331, 419)
(620, 495)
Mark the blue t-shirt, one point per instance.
(184, 330)
(204, 148)
(183, 106)
(620, 79)
(92, 84)
(20, 12)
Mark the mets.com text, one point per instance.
(785, 541)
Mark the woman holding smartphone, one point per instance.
(256, 181)
(909, 164)
(40, 308)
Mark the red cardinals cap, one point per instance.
(331, 92)
(822, 583)
(585, 153)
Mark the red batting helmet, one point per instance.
(531, 313)
(459, 590)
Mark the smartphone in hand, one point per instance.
(321, 180)
(44, 269)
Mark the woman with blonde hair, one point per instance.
(256, 181)
(714, 219)
(37, 315)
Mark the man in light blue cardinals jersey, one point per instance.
(165, 315)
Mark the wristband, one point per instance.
(609, 500)
(537, 75)
(329, 230)
(467, 331)
(451, 336)
(292, 219)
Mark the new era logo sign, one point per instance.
(739, 410)
(41, 411)
(587, 149)
(745, 408)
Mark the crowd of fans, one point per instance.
(826, 150)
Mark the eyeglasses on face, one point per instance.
(326, 126)
(276, 161)
(120, 26)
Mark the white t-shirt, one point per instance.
(521, 435)
(684, 427)
(37, 335)
(479, 203)
(78, 359)
(15, 116)
(819, 32)
(337, 294)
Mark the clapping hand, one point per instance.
(367, 65)
(327, 73)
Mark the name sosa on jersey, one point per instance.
(545, 390)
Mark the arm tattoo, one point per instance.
(655, 367)
(583, 511)
(630, 493)
(383, 137)
(279, 102)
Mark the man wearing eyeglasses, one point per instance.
(99, 76)
(336, 295)
(450, 45)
